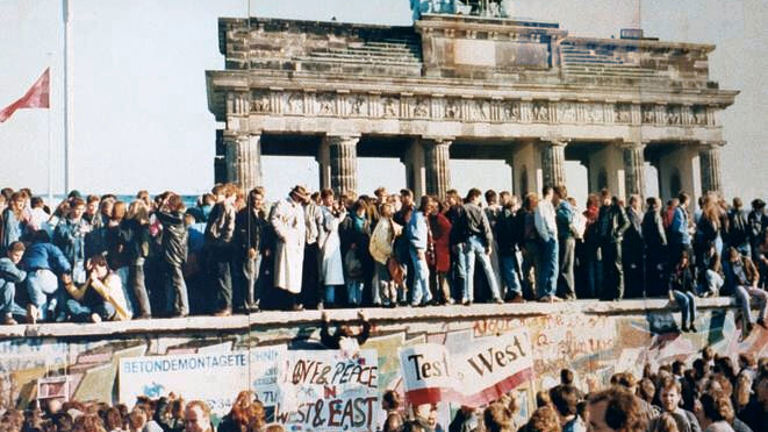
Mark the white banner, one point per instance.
(324, 390)
(482, 373)
(216, 378)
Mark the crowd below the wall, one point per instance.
(713, 394)
(98, 258)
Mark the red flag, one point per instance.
(36, 97)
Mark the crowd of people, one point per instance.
(98, 258)
(713, 395)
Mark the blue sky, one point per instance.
(141, 118)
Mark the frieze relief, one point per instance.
(467, 109)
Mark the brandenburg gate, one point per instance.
(466, 87)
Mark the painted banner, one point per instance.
(476, 376)
(427, 374)
(324, 390)
(214, 377)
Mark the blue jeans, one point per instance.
(354, 292)
(44, 292)
(82, 313)
(420, 294)
(7, 305)
(330, 295)
(508, 266)
(471, 250)
(687, 302)
(547, 283)
(745, 294)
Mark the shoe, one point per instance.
(450, 301)
(223, 313)
(498, 301)
(320, 306)
(550, 299)
(684, 329)
(297, 307)
(32, 314)
(143, 317)
(692, 328)
(517, 298)
(95, 318)
(466, 302)
(761, 323)
(8, 320)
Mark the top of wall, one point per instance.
(278, 319)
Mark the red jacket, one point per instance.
(440, 227)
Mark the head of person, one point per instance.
(669, 394)
(426, 205)
(560, 192)
(666, 423)
(299, 194)
(530, 202)
(646, 389)
(605, 197)
(77, 209)
(761, 389)
(327, 197)
(97, 267)
(615, 410)
(452, 197)
(504, 197)
(491, 198)
(566, 376)
(406, 197)
(734, 257)
(547, 193)
(197, 417)
(16, 203)
(715, 407)
(386, 210)
(564, 398)
(92, 204)
(256, 198)
(16, 251)
(544, 419)
(390, 400)
(381, 194)
(684, 260)
(513, 202)
(422, 411)
(634, 201)
(473, 196)
(497, 418)
(138, 211)
(683, 199)
(543, 399)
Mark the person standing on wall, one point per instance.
(632, 249)
(564, 216)
(287, 219)
(546, 228)
(218, 243)
(612, 223)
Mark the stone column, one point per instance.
(709, 160)
(634, 169)
(342, 152)
(437, 163)
(243, 159)
(553, 161)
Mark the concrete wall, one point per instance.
(595, 339)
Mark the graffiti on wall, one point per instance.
(594, 345)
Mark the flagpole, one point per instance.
(50, 144)
(68, 93)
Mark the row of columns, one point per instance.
(428, 164)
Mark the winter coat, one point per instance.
(382, 240)
(331, 264)
(12, 230)
(287, 219)
(174, 240)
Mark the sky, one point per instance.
(140, 111)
